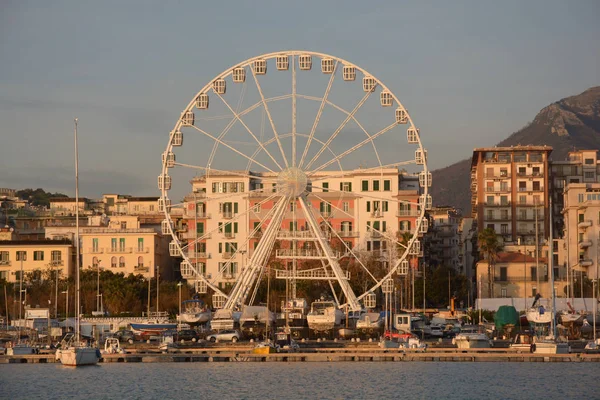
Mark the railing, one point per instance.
(56, 263)
(531, 189)
(112, 230)
(120, 250)
(348, 234)
(229, 235)
(313, 274)
(376, 214)
(228, 255)
(497, 204)
(198, 254)
(498, 218)
(227, 214)
(407, 213)
(302, 253)
(5, 263)
(193, 235)
(496, 190)
(374, 234)
(326, 214)
(299, 235)
(138, 268)
(198, 214)
(97, 250)
(497, 176)
(142, 250)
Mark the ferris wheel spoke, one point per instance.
(259, 258)
(294, 99)
(344, 243)
(231, 148)
(339, 129)
(317, 119)
(238, 216)
(266, 107)
(239, 119)
(354, 148)
(326, 249)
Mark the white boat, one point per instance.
(195, 312)
(369, 322)
(472, 337)
(74, 352)
(539, 315)
(324, 316)
(550, 346)
(112, 346)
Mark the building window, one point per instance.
(95, 245)
(113, 262)
(346, 186)
(257, 207)
(387, 185)
(346, 206)
(140, 244)
(4, 256)
(503, 293)
(533, 291)
(504, 229)
(124, 225)
(200, 228)
(588, 175)
(325, 186)
(56, 255)
(38, 256)
(589, 161)
(113, 244)
(376, 186)
(293, 206)
(140, 262)
(365, 186)
(122, 244)
(21, 256)
(121, 262)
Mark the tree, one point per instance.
(489, 247)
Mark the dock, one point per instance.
(368, 354)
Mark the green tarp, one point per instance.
(506, 315)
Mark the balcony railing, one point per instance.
(96, 250)
(56, 263)
(140, 268)
(348, 234)
(302, 253)
(497, 204)
(141, 250)
(198, 254)
(407, 213)
(228, 255)
(531, 189)
(497, 176)
(5, 263)
(227, 214)
(497, 190)
(521, 278)
(119, 250)
(198, 214)
(193, 235)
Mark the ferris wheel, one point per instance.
(294, 156)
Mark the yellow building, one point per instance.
(35, 255)
(124, 247)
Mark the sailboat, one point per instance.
(550, 344)
(266, 346)
(73, 351)
(156, 322)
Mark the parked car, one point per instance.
(227, 335)
(124, 335)
(186, 334)
(436, 331)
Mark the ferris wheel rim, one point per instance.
(267, 56)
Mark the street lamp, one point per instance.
(98, 287)
(66, 302)
(179, 285)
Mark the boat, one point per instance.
(537, 313)
(324, 316)
(19, 349)
(255, 322)
(285, 342)
(195, 312)
(265, 347)
(74, 352)
(570, 316)
(369, 323)
(523, 342)
(154, 325)
(293, 316)
(112, 346)
(472, 337)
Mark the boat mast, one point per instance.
(78, 262)
(551, 266)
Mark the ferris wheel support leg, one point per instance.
(259, 258)
(335, 266)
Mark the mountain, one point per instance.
(572, 123)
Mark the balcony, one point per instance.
(228, 255)
(585, 244)
(502, 189)
(198, 214)
(497, 204)
(586, 262)
(531, 189)
(520, 278)
(407, 213)
(497, 175)
(193, 235)
(309, 254)
(198, 254)
(229, 235)
(142, 250)
(227, 214)
(96, 250)
(375, 234)
(326, 214)
(141, 269)
(56, 263)
(120, 250)
(348, 234)
(307, 235)
(506, 217)
(5, 263)
(376, 214)
(585, 224)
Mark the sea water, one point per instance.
(300, 380)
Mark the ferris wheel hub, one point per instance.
(292, 182)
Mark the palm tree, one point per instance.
(489, 247)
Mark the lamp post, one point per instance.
(22, 256)
(524, 272)
(66, 292)
(98, 287)
(56, 294)
(179, 285)
(595, 301)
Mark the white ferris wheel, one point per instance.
(288, 127)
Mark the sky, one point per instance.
(469, 72)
